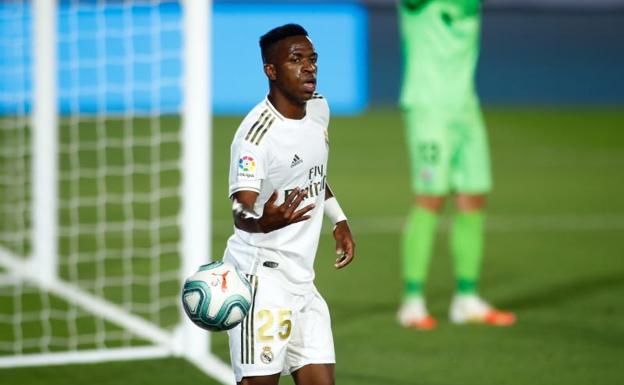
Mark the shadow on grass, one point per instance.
(566, 291)
(366, 378)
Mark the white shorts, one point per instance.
(282, 332)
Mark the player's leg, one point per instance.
(315, 374)
(433, 85)
(467, 249)
(466, 241)
(417, 243)
(470, 177)
(429, 151)
(310, 357)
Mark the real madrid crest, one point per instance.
(266, 356)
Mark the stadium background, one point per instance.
(552, 83)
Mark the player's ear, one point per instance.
(269, 71)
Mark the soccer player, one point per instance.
(449, 154)
(278, 185)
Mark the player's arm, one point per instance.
(345, 246)
(273, 217)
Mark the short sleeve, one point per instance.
(248, 167)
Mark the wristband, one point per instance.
(333, 211)
(238, 209)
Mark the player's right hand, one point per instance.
(275, 217)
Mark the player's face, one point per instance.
(294, 68)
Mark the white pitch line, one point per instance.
(494, 224)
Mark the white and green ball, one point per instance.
(217, 297)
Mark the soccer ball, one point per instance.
(217, 297)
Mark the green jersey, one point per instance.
(440, 40)
(445, 131)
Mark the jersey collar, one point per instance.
(282, 117)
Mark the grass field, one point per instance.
(554, 254)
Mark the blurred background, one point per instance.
(551, 79)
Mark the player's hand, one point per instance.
(275, 217)
(345, 246)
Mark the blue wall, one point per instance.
(528, 56)
(339, 33)
(102, 52)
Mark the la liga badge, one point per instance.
(247, 166)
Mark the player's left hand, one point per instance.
(345, 246)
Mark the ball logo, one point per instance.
(217, 296)
(222, 281)
(247, 163)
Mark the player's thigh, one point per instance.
(312, 342)
(470, 169)
(315, 374)
(258, 346)
(429, 147)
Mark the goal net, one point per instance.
(104, 179)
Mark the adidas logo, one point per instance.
(296, 160)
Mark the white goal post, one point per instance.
(116, 200)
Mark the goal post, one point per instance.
(196, 132)
(44, 147)
(105, 180)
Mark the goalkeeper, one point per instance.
(449, 154)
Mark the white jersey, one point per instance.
(272, 153)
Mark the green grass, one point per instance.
(554, 254)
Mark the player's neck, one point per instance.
(288, 108)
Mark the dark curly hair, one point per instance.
(268, 40)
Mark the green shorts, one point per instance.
(448, 151)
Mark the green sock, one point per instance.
(417, 245)
(467, 249)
